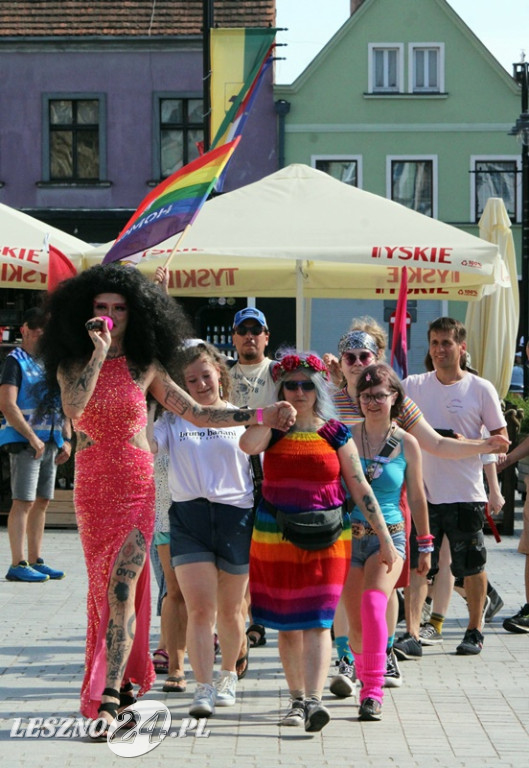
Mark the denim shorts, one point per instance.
(204, 531)
(33, 478)
(462, 523)
(368, 545)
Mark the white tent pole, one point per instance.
(299, 305)
(307, 325)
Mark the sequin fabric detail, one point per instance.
(114, 495)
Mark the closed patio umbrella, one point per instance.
(492, 322)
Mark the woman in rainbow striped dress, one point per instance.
(296, 590)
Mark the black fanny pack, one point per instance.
(309, 530)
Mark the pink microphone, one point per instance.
(97, 324)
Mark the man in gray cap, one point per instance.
(253, 385)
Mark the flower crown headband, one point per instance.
(290, 363)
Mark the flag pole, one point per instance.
(176, 246)
(207, 23)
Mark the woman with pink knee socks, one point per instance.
(390, 457)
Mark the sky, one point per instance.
(501, 25)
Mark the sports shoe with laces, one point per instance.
(392, 675)
(471, 644)
(226, 688)
(344, 683)
(428, 635)
(518, 623)
(316, 715)
(495, 605)
(41, 567)
(370, 709)
(295, 714)
(24, 572)
(407, 647)
(203, 704)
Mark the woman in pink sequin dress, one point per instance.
(104, 376)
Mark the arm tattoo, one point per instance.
(217, 416)
(242, 415)
(77, 386)
(175, 402)
(357, 467)
(374, 515)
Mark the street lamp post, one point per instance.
(521, 131)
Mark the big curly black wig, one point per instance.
(157, 325)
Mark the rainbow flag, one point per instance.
(399, 345)
(171, 206)
(238, 59)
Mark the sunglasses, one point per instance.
(255, 330)
(351, 358)
(306, 386)
(380, 397)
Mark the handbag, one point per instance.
(314, 530)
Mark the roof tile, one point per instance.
(126, 18)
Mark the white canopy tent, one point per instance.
(299, 232)
(23, 261)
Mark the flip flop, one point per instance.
(256, 635)
(241, 666)
(160, 660)
(177, 688)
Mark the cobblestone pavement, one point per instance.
(451, 710)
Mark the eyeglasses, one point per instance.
(364, 357)
(380, 397)
(255, 330)
(306, 386)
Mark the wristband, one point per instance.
(426, 550)
(259, 416)
(67, 439)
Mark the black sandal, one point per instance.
(126, 696)
(107, 706)
(256, 635)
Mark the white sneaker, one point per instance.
(296, 713)
(203, 704)
(226, 688)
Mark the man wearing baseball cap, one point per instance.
(253, 385)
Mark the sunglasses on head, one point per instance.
(306, 386)
(351, 358)
(255, 330)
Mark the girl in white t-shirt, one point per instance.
(211, 521)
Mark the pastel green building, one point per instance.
(406, 102)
